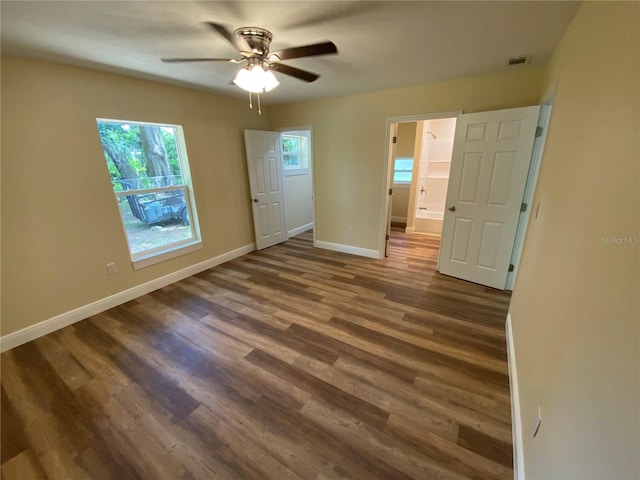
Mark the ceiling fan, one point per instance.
(253, 44)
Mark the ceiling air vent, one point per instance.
(522, 60)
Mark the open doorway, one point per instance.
(403, 163)
(297, 168)
(282, 203)
(428, 191)
(419, 160)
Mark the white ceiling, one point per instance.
(381, 44)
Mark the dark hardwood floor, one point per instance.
(288, 363)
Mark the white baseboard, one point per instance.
(297, 231)
(399, 219)
(52, 324)
(409, 230)
(338, 247)
(516, 419)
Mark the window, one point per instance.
(295, 152)
(402, 170)
(149, 172)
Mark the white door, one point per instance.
(490, 161)
(266, 184)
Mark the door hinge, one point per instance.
(523, 207)
(511, 267)
(391, 191)
(538, 131)
(388, 237)
(395, 140)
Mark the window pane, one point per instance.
(295, 151)
(291, 159)
(290, 144)
(402, 177)
(404, 164)
(140, 156)
(155, 219)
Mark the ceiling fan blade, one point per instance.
(295, 72)
(239, 43)
(325, 48)
(183, 60)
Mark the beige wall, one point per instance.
(298, 200)
(575, 307)
(349, 142)
(406, 138)
(404, 148)
(60, 223)
(418, 152)
(400, 203)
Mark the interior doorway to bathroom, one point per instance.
(419, 173)
(432, 164)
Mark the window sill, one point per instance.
(152, 259)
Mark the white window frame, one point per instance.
(304, 170)
(402, 170)
(162, 253)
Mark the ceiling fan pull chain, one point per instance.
(250, 102)
(259, 109)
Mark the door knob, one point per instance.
(255, 200)
(452, 208)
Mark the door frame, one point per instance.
(546, 106)
(385, 214)
(305, 128)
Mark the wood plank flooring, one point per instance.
(289, 363)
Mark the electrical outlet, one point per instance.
(349, 229)
(537, 422)
(112, 268)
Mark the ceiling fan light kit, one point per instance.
(256, 79)
(253, 44)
